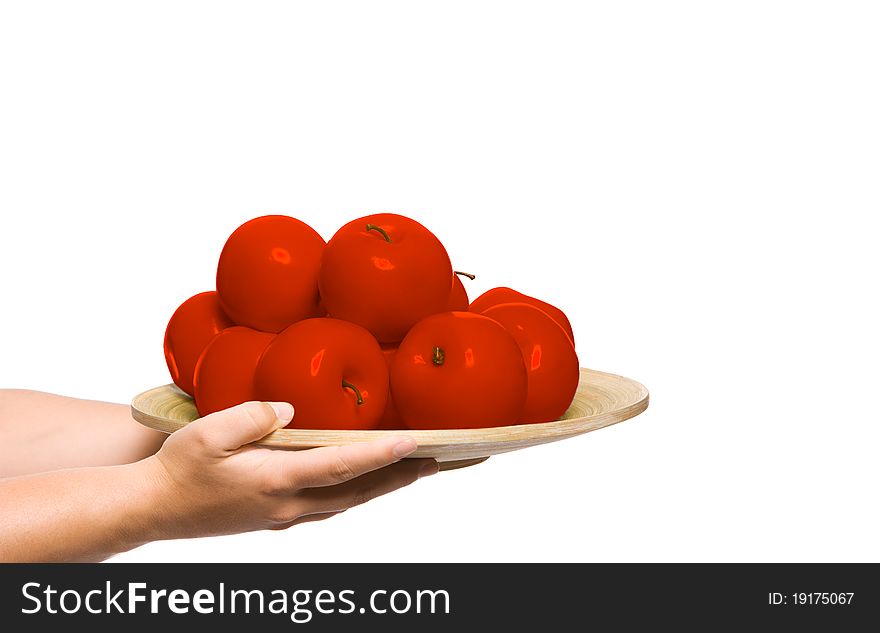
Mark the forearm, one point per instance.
(43, 432)
(86, 514)
(207, 479)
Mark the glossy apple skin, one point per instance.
(509, 295)
(391, 417)
(458, 298)
(550, 359)
(192, 326)
(267, 276)
(458, 370)
(385, 285)
(307, 364)
(224, 375)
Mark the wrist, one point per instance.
(149, 515)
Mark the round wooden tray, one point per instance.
(601, 400)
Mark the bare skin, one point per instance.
(42, 431)
(116, 492)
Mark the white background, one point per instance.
(696, 184)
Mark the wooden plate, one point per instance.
(601, 400)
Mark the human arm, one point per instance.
(42, 432)
(205, 480)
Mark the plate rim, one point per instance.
(504, 438)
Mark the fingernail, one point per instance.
(431, 468)
(404, 447)
(283, 413)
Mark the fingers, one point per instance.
(316, 504)
(234, 427)
(306, 518)
(331, 465)
(320, 516)
(366, 487)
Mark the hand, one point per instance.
(209, 480)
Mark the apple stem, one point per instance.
(374, 227)
(357, 392)
(468, 275)
(438, 356)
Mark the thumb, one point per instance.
(234, 427)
